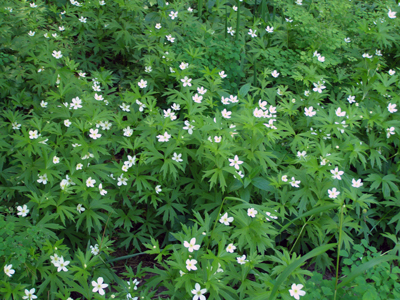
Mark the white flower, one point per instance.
(389, 131)
(94, 133)
(54, 35)
(173, 14)
(333, 193)
(128, 131)
(301, 154)
(351, 99)
(31, 33)
(191, 264)
(269, 215)
(33, 5)
(158, 189)
(321, 58)
(57, 54)
(67, 123)
(392, 14)
(224, 100)
(148, 69)
(76, 103)
(99, 286)
(299, 2)
(164, 137)
(98, 97)
(61, 28)
(201, 90)
(231, 248)
(125, 107)
(234, 8)
(226, 114)
(336, 173)
(186, 81)
(251, 212)
(8, 270)
(189, 127)
(122, 180)
(217, 139)
(90, 182)
(284, 178)
(79, 166)
(296, 291)
(275, 73)
(82, 19)
(289, 20)
(95, 250)
(366, 55)
(252, 33)
(158, 26)
(235, 162)
(23, 211)
(318, 87)
(190, 9)
(102, 191)
(347, 40)
(378, 52)
(225, 219)
(131, 161)
(43, 104)
(392, 107)
(56, 160)
(306, 93)
(294, 182)
(80, 208)
(15, 126)
(30, 294)
(102, 2)
(196, 98)
(241, 259)
(309, 111)
(340, 113)
(230, 31)
(356, 183)
(61, 265)
(176, 106)
(42, 179)
(177, 157)
(191, 245)
(392, 72)
(170, 38)
(198, 292)
(222, 74)
(183, 65)
(269, 29)
(142, 83)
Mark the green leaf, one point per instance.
(309, 213)
(290, 268)
(244, 89)
(262, 184)
(364, 267)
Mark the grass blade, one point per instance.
(290, 268)
(366, 266)
(309, 213)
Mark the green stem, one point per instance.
(255, 72)
(338, 251)
(226, 21)
(237, 22)
(263, 4)
(200, 7)
(216, 222)
(301, 232)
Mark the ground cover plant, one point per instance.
(247, 149)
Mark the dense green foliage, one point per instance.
(240, 142)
